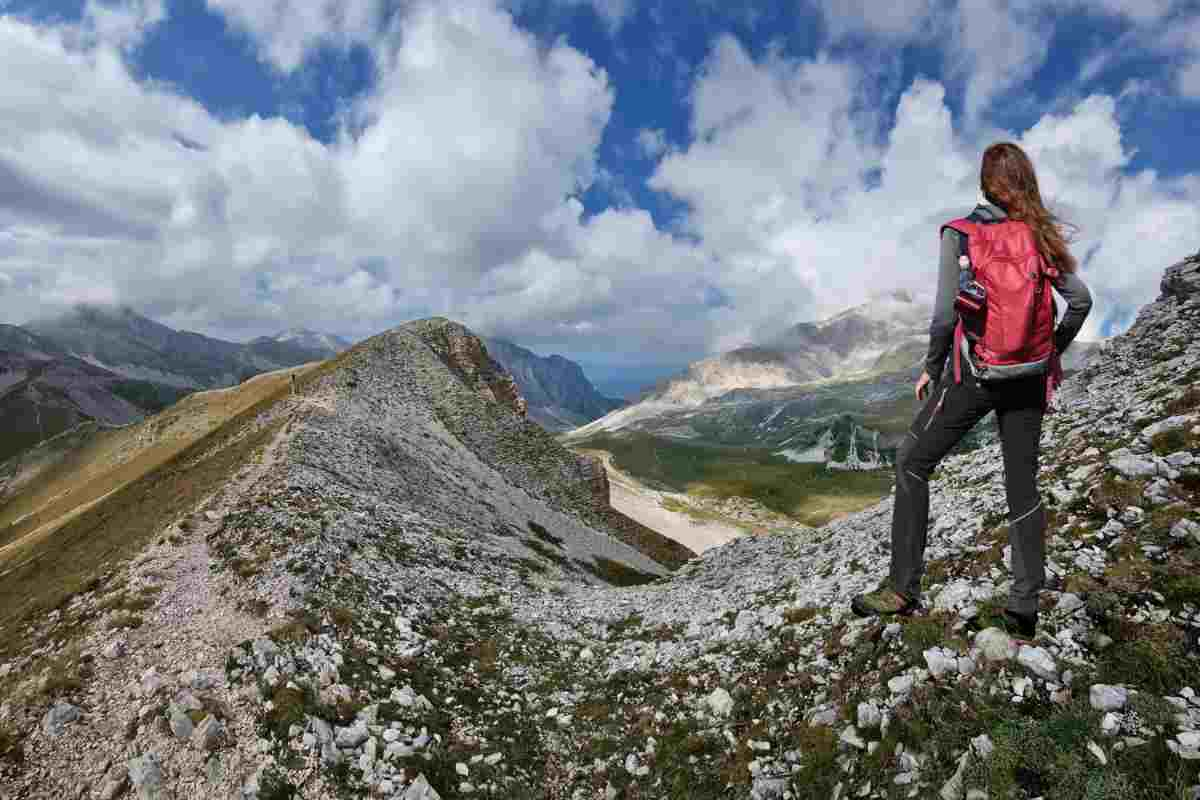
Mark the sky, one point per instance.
(631, 183)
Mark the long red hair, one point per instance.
(1008, 180)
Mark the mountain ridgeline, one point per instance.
(112, 366)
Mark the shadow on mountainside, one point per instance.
(430, 601)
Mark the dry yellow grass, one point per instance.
(104, 500)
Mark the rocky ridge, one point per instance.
(389, 635)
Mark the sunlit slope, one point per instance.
(95, 494)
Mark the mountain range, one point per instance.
(113, 366)
(837, 390)
(559, 395)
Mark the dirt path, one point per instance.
(184, 638)
(639, 502)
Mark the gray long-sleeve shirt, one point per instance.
(941, 329)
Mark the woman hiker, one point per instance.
(995, 316)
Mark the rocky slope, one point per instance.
(560, 396)
(365, 613)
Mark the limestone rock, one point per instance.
(1038, 661)
(146, 775)
(1108, 698)
(994, 644)
(58, 717)
(720, 702)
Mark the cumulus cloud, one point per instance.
(289, 30)
(454, 188)
(801, 231)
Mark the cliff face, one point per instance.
(560, 396)
(411, 593)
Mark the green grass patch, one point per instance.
(808, 492)
(1152, 657)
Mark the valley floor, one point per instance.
(639, 502)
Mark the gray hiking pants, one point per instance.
(951, 411)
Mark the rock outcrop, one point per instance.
(1182, 279)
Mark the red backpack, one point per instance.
(1012, 329)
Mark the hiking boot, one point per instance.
(1019, 626)
(883, 602)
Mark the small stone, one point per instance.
(462, 769)
(181, 724)
(1111, 723)
(145, 773)
(720, 702)
(850, 736)
(995, 644)
(1108, 698)
(1133, 515)
(351, 737)
(869, 716)
(1095, 750)
(1186, 529)
(58, 717)
(1038, 661)
(1069, 603)
(114, 649)
(901, 684)
(152, 683)
(982, 745)
(211, 734)
(941, 661)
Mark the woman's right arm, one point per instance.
(1079, 304)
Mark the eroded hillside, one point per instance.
(410, 594)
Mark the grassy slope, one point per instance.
(809, 492)
(103, 502)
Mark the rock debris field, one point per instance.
(411, 592)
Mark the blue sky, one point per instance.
(627, 182)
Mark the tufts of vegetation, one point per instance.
(1113, 492)
(10, 747)
(1187, 402)
(615, 573)
(1151, 656)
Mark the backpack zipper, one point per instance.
(937, 408)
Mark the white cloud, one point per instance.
(778, 198)
(453, 189)
(125, 22)
(289, 29)
(474, 135)
(896, 19)
(652, 142)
